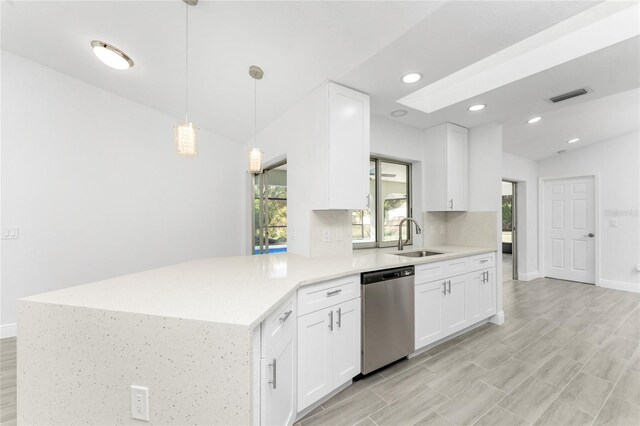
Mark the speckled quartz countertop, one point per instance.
(239, 290)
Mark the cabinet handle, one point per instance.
(339, 322)
(444, 288)
(368, 197)
(484, 260)
(274, 369)
(451, 204)
(449, 286)
(284, 316)
(331, 320)
(334, 292)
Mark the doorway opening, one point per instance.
(270, 210)
(509, 231)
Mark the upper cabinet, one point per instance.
(341, 153)
(446, 168)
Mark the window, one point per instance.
(390, 200)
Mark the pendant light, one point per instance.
(255, 155)
(186, 134)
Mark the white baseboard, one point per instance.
(528, 276)
(620, 285)
(497, 319)
(8, 330)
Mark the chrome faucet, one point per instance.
(401, 243)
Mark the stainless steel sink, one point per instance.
(421, 253)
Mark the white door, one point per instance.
(454, 305)
(428, 312)
(475, 282)
(314, 356)
(487, 293)
(569, 229)
(279, 386)
(457, 168)
(346, 341)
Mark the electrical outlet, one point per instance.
(140, 402)
(10, 233)
(326, 235)
(613, 224)
(432, 230)
(339, 234)
(442, 229)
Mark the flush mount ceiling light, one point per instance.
(477, 107)
(412, 77)
(111, 56)
(255, 155)
(534, 120)
(574, 140)
(186, 133)
(399, 113)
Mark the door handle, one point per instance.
(451, 204)
(284, 316)
(334, 292)
(449, 286)
(331, 320)
(444, 288)
(590, 235)
(339, 322)
(274, 369)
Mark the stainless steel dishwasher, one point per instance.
(387, 316)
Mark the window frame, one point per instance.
(379, 207)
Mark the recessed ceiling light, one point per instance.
(534, 120)
(111, 55)
(476, 107)
(399, 113)
(574, 140)
(412, 77)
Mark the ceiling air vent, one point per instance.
(569, 95)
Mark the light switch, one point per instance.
(10, 233)
(613, 224)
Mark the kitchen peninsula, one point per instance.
(187, 332)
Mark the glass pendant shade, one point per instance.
(186, 139)
(255, 161)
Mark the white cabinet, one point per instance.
(454, 305)
(455, 299)
(328, 339)
(446, 168)
(340, 164)
(278, 366)
(428, 313)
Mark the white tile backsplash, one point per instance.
(478, 229)
(331, 233)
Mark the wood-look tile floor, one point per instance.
(568, 354)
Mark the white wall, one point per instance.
(617, 161)
(485, 186)
(94, 184)
(525, 173)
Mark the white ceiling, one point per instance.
(298, 44)
(364, 45)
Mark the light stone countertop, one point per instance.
(240, 290)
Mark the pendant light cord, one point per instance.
(186, 61)
(255, 112)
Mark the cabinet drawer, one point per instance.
(457, 266)
(482, 261)
(438, 270)
(318, 296)
(278, 325)
(430, 272)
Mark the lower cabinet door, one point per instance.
(454, 305)
(428, 312)
(488, 294)
(314, 356)
(475, 287)
(279, 385)
(346, 341)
